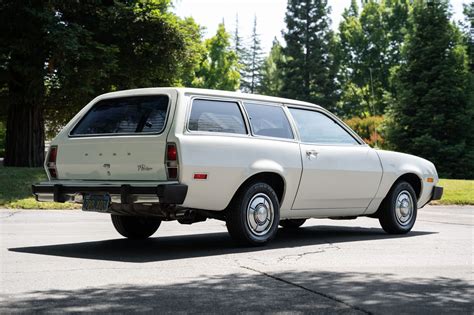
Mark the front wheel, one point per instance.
(133, 227)
(254, 214)
(397, 214)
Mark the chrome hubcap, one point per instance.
(260, 214)
(404, 207)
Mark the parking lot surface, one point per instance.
(73, 261)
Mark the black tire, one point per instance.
(136, 228)
(292, 223)
(266, 215)
(392, 210)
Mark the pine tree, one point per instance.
(253, 63)
(240, 48)
(272, 76)
(310, 68)
(432, 116)
(236, 37)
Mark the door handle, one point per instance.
(311, 153)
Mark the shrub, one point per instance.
(369, 128)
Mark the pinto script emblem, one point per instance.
(143, 168)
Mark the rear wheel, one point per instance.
(133, 227)
(254, 214)
(292, 223)
(397, 214)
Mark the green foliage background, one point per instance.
(400, 72)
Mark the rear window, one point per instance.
(126, 115)
(216, 116)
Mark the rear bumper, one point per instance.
(437, 193)
(119, 193)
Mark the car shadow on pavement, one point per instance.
(320, 292)
(208, 244)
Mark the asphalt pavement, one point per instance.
(73, 261)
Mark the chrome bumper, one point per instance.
(119, 193)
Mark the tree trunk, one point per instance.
(25, 124)
(25, 136)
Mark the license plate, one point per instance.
(99, 203)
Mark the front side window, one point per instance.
(216, 116)
(315, 127)
(125, 115)
(269, 121)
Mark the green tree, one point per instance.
(396, 16)
(370, 44)
(469, 35)
(219, 68)
(468, 27)
(432, 116)
(310, 67)
(272, 75)
(58, 54)
(253, 63)
(352, 46)
(195, 48)
(23, 57)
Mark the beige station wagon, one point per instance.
(256, 162)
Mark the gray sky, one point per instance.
(270, 15)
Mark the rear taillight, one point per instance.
(172, 161)
(51, 163)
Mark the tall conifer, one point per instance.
(432, 116)
(310, 68)
(253, 63)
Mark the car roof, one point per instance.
(215, 93)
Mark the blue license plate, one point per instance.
(98, 203)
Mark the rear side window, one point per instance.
(269, 121)
(126, 115)
(216, 116)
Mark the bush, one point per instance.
(369, 128)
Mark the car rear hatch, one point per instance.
(118, 139)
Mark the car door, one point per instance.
(338, 171)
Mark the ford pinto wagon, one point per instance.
(256, 162)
